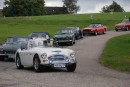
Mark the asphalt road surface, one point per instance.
(89, 72)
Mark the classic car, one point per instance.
(43, 35)
(95, 28)
(78, 33)
(124, 25)
(39, 53)
(12, 44)
(65, 36)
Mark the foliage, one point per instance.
(23, 8)
(116, 54)
(114, 7)
(71, 6)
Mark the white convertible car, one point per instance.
(37, 53)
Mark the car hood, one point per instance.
(62, 35)
(12, 47)
(89, 28)
(120, 24)
(54, 51)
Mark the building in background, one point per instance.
(56, 10)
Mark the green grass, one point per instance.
(25, 25)
(116, 54)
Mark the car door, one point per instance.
(26, 57)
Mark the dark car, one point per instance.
(12, 44)
(65, 36)
(78, 33)
(44, 35)
(124, 25)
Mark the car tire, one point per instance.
(18, 62)
(116, 29)
(127, 29)
(84, 34)
(71, 43)
(74, 42)
(76, 38)
(36, 64)
(72, 67)
(95, 33)
(104, 31)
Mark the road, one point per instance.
(89, 72)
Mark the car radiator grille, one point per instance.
(62, 39)
(57, 58)
(87, 30)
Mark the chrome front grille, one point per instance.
(57, 58)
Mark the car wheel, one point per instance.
(71, 68)
(71, 43)
(104, 31)
(95, 33)
(18, 62)
(84, 34)
(116, 29)
(74, 42)
(76, 38)
(36, 64)
(127, 29)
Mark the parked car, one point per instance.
(12, 44)
(65, 36)
(43, 35)
(39, 53)
(95, 28)
(78, 33)
(124, 25)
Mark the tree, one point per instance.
(23, 8)
(114, 7)
(71, 6)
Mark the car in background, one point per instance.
(43, 35)
(39, 53)
(77, 31)
(95, 28)
(124, 25)
(12, 44)
(65, 36)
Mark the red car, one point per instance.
(95, 28)
(124, 25)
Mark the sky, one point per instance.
(87, 6)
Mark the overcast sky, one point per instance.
(87, 6)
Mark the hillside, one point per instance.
(25, 25)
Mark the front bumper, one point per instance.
(7, 56)
(58, 63)
(89, 32)
(120, 28)
(3, 56)
(63, 41)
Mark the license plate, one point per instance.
(59, 65)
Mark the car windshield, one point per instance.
(17, 39)
(41, 43)
(67, 31)
(36, 44)
(38, 35)
(125, 21)
(95, 25)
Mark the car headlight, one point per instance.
(44, 56)
(72, 55)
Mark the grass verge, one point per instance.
(116, 54)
